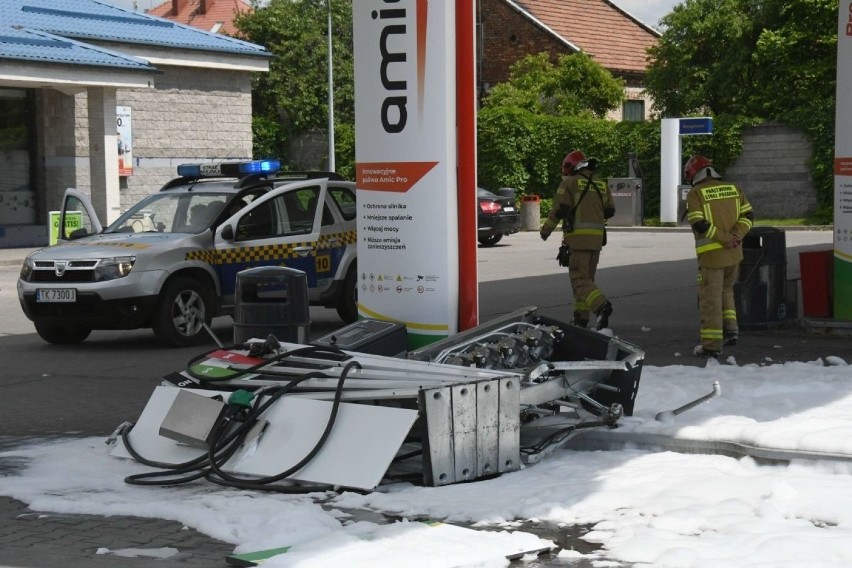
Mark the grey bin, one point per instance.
(760, 293)
(271, 300)
(530, 212)
(506, 192)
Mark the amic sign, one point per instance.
(700, 125)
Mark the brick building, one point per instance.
(110, 101)
(215, 16)
(509, 31)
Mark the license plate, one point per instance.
(55, 295)
(510, 209)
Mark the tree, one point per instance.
(292, 98)
(749, 61)
(526, 125)
(574, 85)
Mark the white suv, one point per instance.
(170, 262)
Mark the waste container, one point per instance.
(760, 293)
(531, 212)
(506, 192)
(627, 196)
(271, 300)
(817, 270)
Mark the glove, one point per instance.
(543, 235)
(563, 257)
(608, 212)
(733, 242)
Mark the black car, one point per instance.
(498, 216)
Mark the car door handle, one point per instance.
(303, 251)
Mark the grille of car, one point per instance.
(64, 271)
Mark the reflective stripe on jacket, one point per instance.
(588, 218)
(724, 207)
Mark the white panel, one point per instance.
(669, 169)
(359, 450)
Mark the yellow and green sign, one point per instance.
(73, 221)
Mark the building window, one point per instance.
(633, 111)
(17, 198)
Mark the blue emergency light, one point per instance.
(235, 169)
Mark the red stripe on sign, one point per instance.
(398, 177)
(235, 358)
(843, 166)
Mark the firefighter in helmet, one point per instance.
(583, 205)
(720, 216)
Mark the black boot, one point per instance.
(580, 319)
(603, 312)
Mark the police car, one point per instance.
(170, 262)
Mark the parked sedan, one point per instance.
(498, 216)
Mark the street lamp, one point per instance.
(331, 164)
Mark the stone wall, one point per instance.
(773, 170)
(192, 115)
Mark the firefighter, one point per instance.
(720, 216)
(583, 205)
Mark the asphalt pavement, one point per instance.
(648, 275)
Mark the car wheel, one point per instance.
(62, 334)
(347, 305)
(183, 310)
(490, 241)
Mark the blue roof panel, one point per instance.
(30, 45)
(94, 20)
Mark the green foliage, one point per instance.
(745, 62)
(575, 85)
(528, 124)
(292, 98)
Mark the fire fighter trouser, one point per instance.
(716, 304)
(581, 269)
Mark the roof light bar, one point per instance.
(231, 169)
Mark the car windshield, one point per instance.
(171, 213)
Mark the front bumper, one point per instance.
(92, 311)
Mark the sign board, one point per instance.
(73, 221)
(692, 126)
(405, 153)
(124, 133)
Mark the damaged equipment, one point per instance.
(289, 416)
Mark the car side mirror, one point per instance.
(228, 232)
(78, 233)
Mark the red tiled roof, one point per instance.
(598, 27)
(218, 12)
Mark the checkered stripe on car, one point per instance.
(247, 254)
(268, 252)
(347, 238)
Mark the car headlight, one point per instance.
(26, 270)
(113, 268)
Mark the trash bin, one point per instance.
(531, 213)
(506, 192)
(760, 293)
(627, 196)
(817, 270)
(271, 300)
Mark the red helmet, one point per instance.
(694, 165)
(569, 164)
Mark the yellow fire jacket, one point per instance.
(583, 225)
(716, 210)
